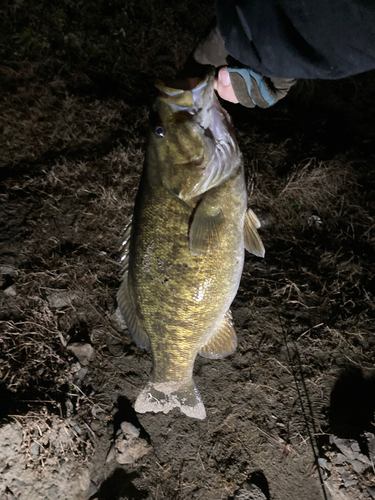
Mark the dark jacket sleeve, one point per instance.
(326, 39)
(250, 88)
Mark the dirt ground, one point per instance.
(290, 414)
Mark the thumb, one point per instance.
(223, 86)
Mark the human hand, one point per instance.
(240, 84)
(224, 87)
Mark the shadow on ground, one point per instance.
(119, 486)
(21, 401)
(352, 404)
(126, 413)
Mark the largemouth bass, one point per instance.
(183, 248)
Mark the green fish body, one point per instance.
(183, 250)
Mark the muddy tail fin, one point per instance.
(164, 396)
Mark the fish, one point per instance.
(183, 248)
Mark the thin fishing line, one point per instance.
(302, 404)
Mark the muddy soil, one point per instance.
(291, 413)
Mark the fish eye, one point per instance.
(160, 131)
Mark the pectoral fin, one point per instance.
(253, 243)
(205, 229)
(223, 342)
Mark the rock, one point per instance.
(9, 270)
(92, 489)
(315, 221)
(111, 454)
(324, 464)
(60, 299)
(84, 480)
(118, 321)
(350, 482)
(129, 430)
(69, 407)
(129, 452)
(128, 447)
(350, 453)
(78, 430)
(83, 352)
(371, 443)
(249, 492)
(358, 466)
(95, 425)
(123, 455)
(67, 479)
(336, 492)
(75, 367)
(35, 449)
(81, 374)
(10, 291)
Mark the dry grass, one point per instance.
(310, 192)
(56, 439)
(38, 120)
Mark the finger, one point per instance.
(227, 93)
(224, 87)
(224, 77)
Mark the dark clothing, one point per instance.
(326, 39)
(251, 88)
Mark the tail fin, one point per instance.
(164, 396)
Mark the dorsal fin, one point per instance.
(124, 299)
(128, 311)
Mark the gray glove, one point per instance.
(251, 88)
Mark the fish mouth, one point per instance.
(176, 88)
(185, 95)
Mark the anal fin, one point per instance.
(253, 243)
(223, 342)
